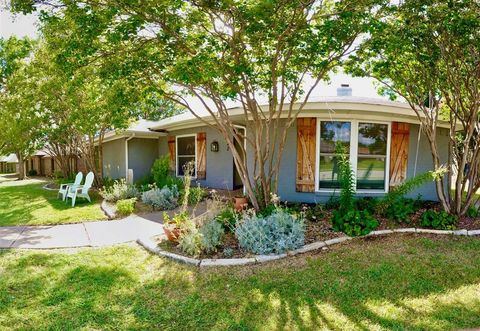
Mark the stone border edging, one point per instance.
(108, 209)
(152, 247)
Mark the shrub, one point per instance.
(440, 220)
(197, 194)
(276, 233)
(32, 172)
(367, 203)
(126, 207)
(161, 199)
(190, 241)
(212, 234)
(332, 203)
(119, 190)
(473, 212)
(227, 218)
(354, 222)
(400, 210)
(346, 218)
(161, 170)
(228, 252)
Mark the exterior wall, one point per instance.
(47, 166)
(287, 175)
(219, 164)
(114, 159)
(142, 153)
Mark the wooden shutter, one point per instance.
(201, 155)
(306, 149)
(399, 153)
(171, 154)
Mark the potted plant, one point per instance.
(241, 201)
(173, 226)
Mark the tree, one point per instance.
(19, 124)
(222, 51)
(428, 52)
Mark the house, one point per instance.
(42, 163)
(134, 149)
(383, 139)
(8, 164)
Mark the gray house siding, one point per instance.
(114, 159)
(142, 153)
(219, 164)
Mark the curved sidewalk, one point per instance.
(89, 234)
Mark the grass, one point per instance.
(32, 205)
(409, 282)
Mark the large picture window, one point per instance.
(367, 147)
(186, 152)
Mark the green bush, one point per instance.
(473, 212)
(32, 172)
(367, 203)
(160, 171)
(197, 194)
(400, 210)
(354, 222)
(228, 218)
(348, 219)
(440, 220)
(126, 206)
(314, 213)
(120, 190)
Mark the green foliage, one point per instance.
(228, 218)
(160, 171)
(367, 203)
(178, 219)
(347, 218)
(161, 199)
(119, 190)
(440, 220)
(190, 242)
(197, 195)
(332, 203)
(126, 206)
(32, 172)
(354, 222)
(212, 235)
(400, 210)
(276, 233)
(473, 212)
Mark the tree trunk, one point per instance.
(21, 166)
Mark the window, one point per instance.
(186, 152)
(367, 146)
(330, 134)
(372, 156)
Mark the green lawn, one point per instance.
(408, 282)
(32, 205)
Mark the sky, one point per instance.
(21, 26)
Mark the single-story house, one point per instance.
(383, 139)
(8, 164)
(44, 164)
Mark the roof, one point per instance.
(12, 158)
(340, 107)
(139, 129)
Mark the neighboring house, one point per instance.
(8, 164)
(45, 164)
(382, 137)
(134, 149)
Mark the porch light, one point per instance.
(214, 147)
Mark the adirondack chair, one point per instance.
(81, 191)
(64, 187)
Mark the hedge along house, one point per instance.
(383, 139)
(131, 153)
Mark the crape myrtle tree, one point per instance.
(428, 52)
(20, 126)
(217, 52)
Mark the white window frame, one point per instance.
(176, 153)
(353, 153)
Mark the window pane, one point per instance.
(186, 145)
(182, 161)
(329, 171)
(331, 132)
(372, 139)
(371, 173)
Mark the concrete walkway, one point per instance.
(89, 234)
